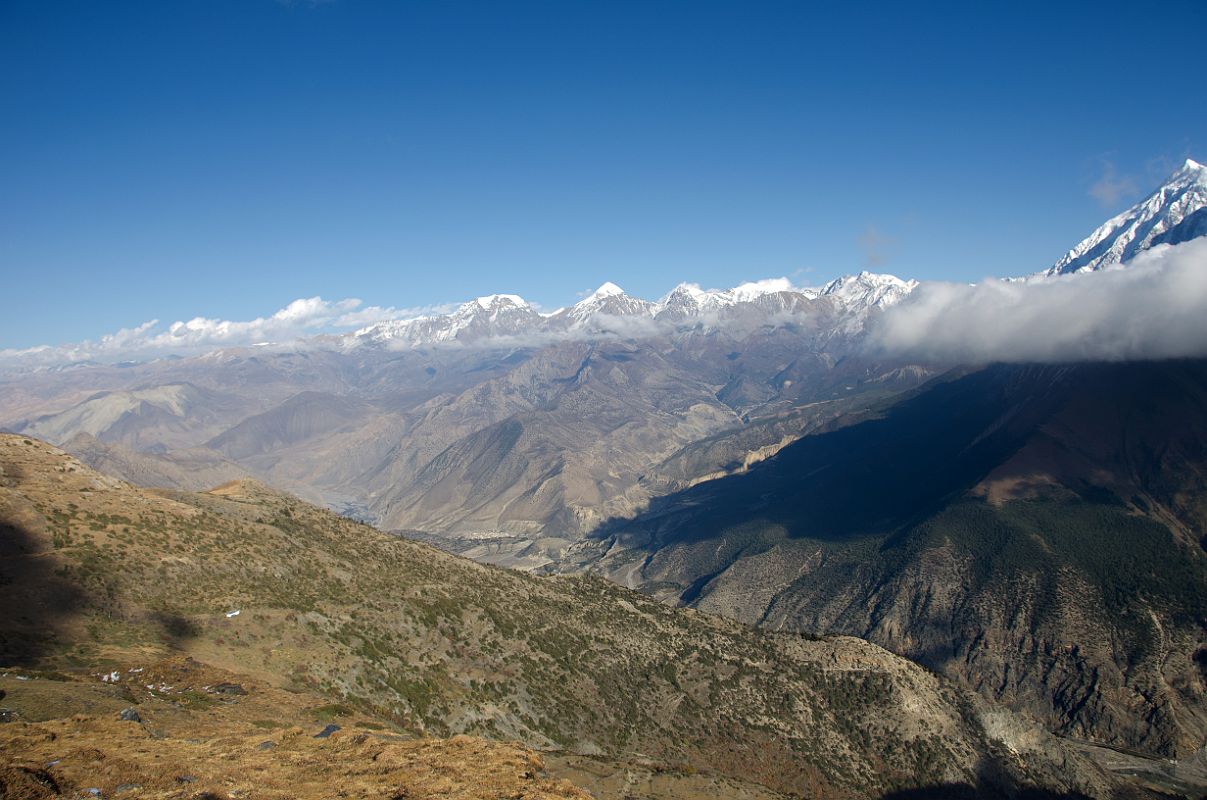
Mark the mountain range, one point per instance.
(577, 415)
(1031, 532)
(503, 319)
(544, 432)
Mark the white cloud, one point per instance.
(1155, 307)
(753, 289)
(370, 315)
(303, 317)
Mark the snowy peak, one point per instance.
(753, 290)
(688, 299)
(688, 291)
(1192, 169)
(868, 290)
(491, 312)
(495, 302)
(490, 316)
(608, 300)
(608, 289)
(608, 310)
(1149, 222)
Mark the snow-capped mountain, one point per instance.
(608, 300)
(610, 310)
(688, 300)
(1174, 213)
(868, 290)
(491, 316)
(1192, 226)
(1180, 198)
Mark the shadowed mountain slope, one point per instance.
(1035, 532)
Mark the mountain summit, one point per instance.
(608, 300)
(1156, 219)
(609, 309)
(869, 290)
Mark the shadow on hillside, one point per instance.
(43, 605)
(870, 478)
(36, 601)
(882, 476)
(964, 791)
(174, 629)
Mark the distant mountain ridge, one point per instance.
(508, 317)
(500, 419)
(1176, 212)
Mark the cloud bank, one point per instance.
(1153, 308)
(303, 317)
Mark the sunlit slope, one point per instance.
(98, 572)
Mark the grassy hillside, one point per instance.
(100, 575)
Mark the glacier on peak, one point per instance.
(486, 302)
(1183, 195)
(688, 299)
(609, 310)
(609, 300)
(868, 289)
(608, 289)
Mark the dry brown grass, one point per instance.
(104, 576)
(194, 742)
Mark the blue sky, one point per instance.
(174, 159)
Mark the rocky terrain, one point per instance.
(1034, 532)
(103, 579)
(531, 445)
